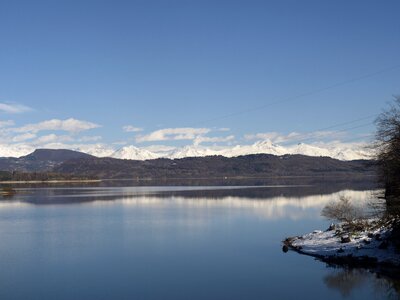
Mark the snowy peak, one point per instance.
(267, 147)
(341, 152)
(134, 153)
(309, 150)
(337, 150)
(192, 151)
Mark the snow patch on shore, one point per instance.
(326, 244)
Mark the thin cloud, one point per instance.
(206, 139)
(23, 137)
(17, 141)
(130, 128)
(90, 138)
(295, 137)
(120, 143)
(6, 123)
(159, 148)
(173, 134)
(13, 108)
(70, 125)
(53, 138)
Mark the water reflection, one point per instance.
(272, 208)
(270, 202)
(214, 242)
(347, 281)
(326, 183)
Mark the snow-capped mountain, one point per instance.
(192, 151)
(334, 150)
(338, 151)
(309, 150)
(132, 152)
(260, 147)
(99, 150)
(345, 153)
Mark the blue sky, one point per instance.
(212, 65)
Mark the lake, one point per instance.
(123, 241)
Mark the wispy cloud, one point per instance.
(130, 128)
(206, 139)
(13, 108)
(184, 133)
(159, 148)
(53, 138)
(6, 123)
(21, 140)
(120, 143)
(70, 125)
(90, 138)
(295, 137)
(23, 137)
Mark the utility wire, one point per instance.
(348, 122)
(334, 126)
(357, 138)
(313, 92)
(321, 135)
(299, 96)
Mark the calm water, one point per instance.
(171, 243)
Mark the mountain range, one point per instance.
(83, 165)
(337, 151)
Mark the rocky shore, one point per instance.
(369, 248)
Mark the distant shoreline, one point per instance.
(146, 179)
(51, 181)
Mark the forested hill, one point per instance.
(41, 160)
(259, 165)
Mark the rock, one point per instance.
(332, 227)
(367, 242)
(370, 235)
(285, 248)
(340, 250)
(345, 239)
(378, 237)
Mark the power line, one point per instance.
(321, 135)
(299, 96)
(348, 122)
(313, 92)
(334, 126)
(357, 138)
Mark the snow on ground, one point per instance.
(327, 244)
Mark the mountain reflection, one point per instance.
(230, 230)
(271, 202)
(281, 207)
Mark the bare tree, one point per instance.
(343, 211)
(387, 145)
